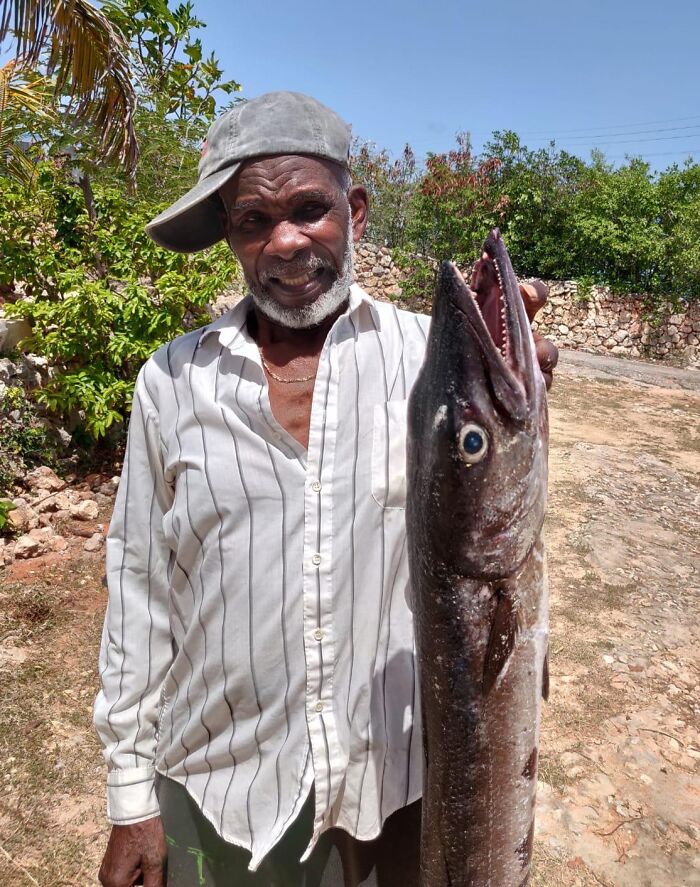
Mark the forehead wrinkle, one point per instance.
(295, 199)
(270, 178)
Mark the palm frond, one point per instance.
(90, 60)
(18, 92)
(21, 100)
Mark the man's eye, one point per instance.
(251, 222)
(312, 211)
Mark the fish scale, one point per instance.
(477, 487)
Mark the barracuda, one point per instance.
(477, 487)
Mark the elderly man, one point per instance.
(259, 707)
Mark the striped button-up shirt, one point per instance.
(258, 639)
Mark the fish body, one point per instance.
(477, 487)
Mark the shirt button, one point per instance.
(316, 559)
(316, 486)
(318, 634)
(276, 435)
(319, 706)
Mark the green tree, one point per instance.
(563, 217)
(390, 185)
(533, 192)
(679, 221)
(613, 229)
(178, 86)
(23, 97)
(76, 261)
(97, 325)
(87, 58)
(454, 204)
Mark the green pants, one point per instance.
(199, 857)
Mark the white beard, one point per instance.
(315, 312)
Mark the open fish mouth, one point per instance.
(497, 321)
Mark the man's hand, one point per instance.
(484, 282)
(535, 295)
(136, 854)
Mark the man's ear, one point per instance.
(359, 206)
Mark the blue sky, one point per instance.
(623, 76)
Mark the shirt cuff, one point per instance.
(131, 795)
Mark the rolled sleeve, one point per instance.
(131, 795)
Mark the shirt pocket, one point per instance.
(389, 454)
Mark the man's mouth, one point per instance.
(298, 280)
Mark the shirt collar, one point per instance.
(232, 329)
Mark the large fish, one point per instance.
(477, 487)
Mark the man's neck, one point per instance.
(269, 334)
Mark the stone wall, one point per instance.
(594, 321)
(377, 273)
(604, 322)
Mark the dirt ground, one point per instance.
(619, 792)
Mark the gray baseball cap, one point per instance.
(274, 123)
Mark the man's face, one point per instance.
(292, 226)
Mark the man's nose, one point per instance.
(286, 240)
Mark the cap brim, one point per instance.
(192, 222)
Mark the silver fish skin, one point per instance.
(477, 489)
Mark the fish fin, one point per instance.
(545, 677)
(504, 628)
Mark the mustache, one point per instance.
(294, 269)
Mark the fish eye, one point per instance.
(473, 443)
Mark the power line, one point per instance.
(634, 133)
(589, 129)
(641, 141)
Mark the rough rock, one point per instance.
(26, 547)
(56, 502)
(57, 543)
(94, 543)
(36, 362)
(23, 518)
(12, 331)
(43, 478)
(7, 369)
(88, 509)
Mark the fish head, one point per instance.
(477, 442)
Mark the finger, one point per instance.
(534, 295)
(547, 355)
(154, 874)
(154, 865)
(117, 875)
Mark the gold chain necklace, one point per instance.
(279, 378)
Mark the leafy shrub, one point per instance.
(626, 227)
(5, 508)
(390, 185)
(101, 296)
(419, 282)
